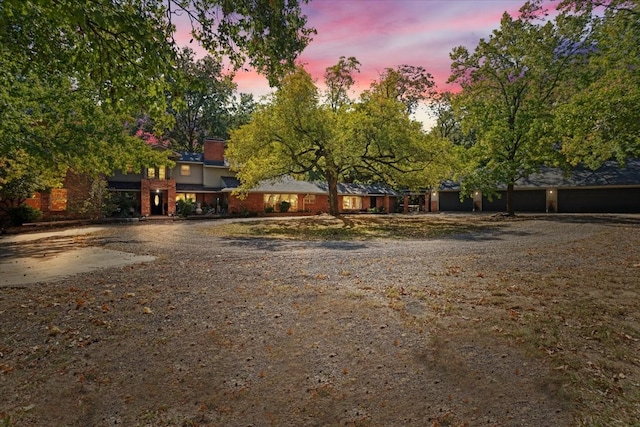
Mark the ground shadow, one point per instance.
(283, 244)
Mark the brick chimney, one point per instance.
(214, 150)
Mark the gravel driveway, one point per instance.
(258, 332)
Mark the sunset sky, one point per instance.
(387, 33)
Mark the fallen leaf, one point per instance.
(54, 330)
(147, 310)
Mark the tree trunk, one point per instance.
(510, 210)
(332, 182)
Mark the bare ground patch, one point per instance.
(508, 323)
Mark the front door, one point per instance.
(157, 204)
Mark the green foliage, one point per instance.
(97, 204)
(185, 207)
(600, 119)
(122, 204)
(23, 214)
(373, 140)
(201, 102)
(407, 84)
(73, 72)
(339, 79)
(284, 206)
(510, 85)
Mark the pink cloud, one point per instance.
(384, 34)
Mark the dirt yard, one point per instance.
(521, 322)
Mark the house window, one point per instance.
(352, 202)
(185, 196)
(151, 173)
(274, 200)
(58, 199)
(185, 170)
(310, 199)
(162, 172)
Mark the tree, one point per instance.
(297, 134)
(407, 84)
(73, 72)
(448, 124)
(49, 126)
(201, 104)
(127, 47)
(510, 84)
(600, 118)
(339, 79)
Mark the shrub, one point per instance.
(122, 204)
(269, 209)
(22, 214)
(284, 206)
(185, 207)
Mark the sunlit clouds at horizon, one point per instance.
(384, 34)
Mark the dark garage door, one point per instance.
(613, 200)
(450, 201)
(523, 201)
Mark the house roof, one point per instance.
(289, 185)
(124, 186)
(230, 182)
(186, 157)
(282, 185)
(196, 188)
(610, 174)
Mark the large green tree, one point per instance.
(600, 119)
(202, 102)
(302, 133)
(72, 72)
(510, 85)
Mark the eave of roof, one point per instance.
(610, 174)
(289, 185)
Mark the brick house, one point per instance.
(65, 202)
(313, 197)
(206, 179)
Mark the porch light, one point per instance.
(550, 191)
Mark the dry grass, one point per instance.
(462, 329)
(353, 227)
(581, 320)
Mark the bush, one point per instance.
(269, 209)
(284, 206)
(22, 214)
(185, 207)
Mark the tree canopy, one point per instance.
(510, 85)
(73, 73)
(301, 133)
(600, 119)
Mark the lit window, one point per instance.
(59, 199)
(185, 170)
(162, 173)
(352, 203)
(151, 172)
(310, 199)
(274, 200)
(185, 196)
